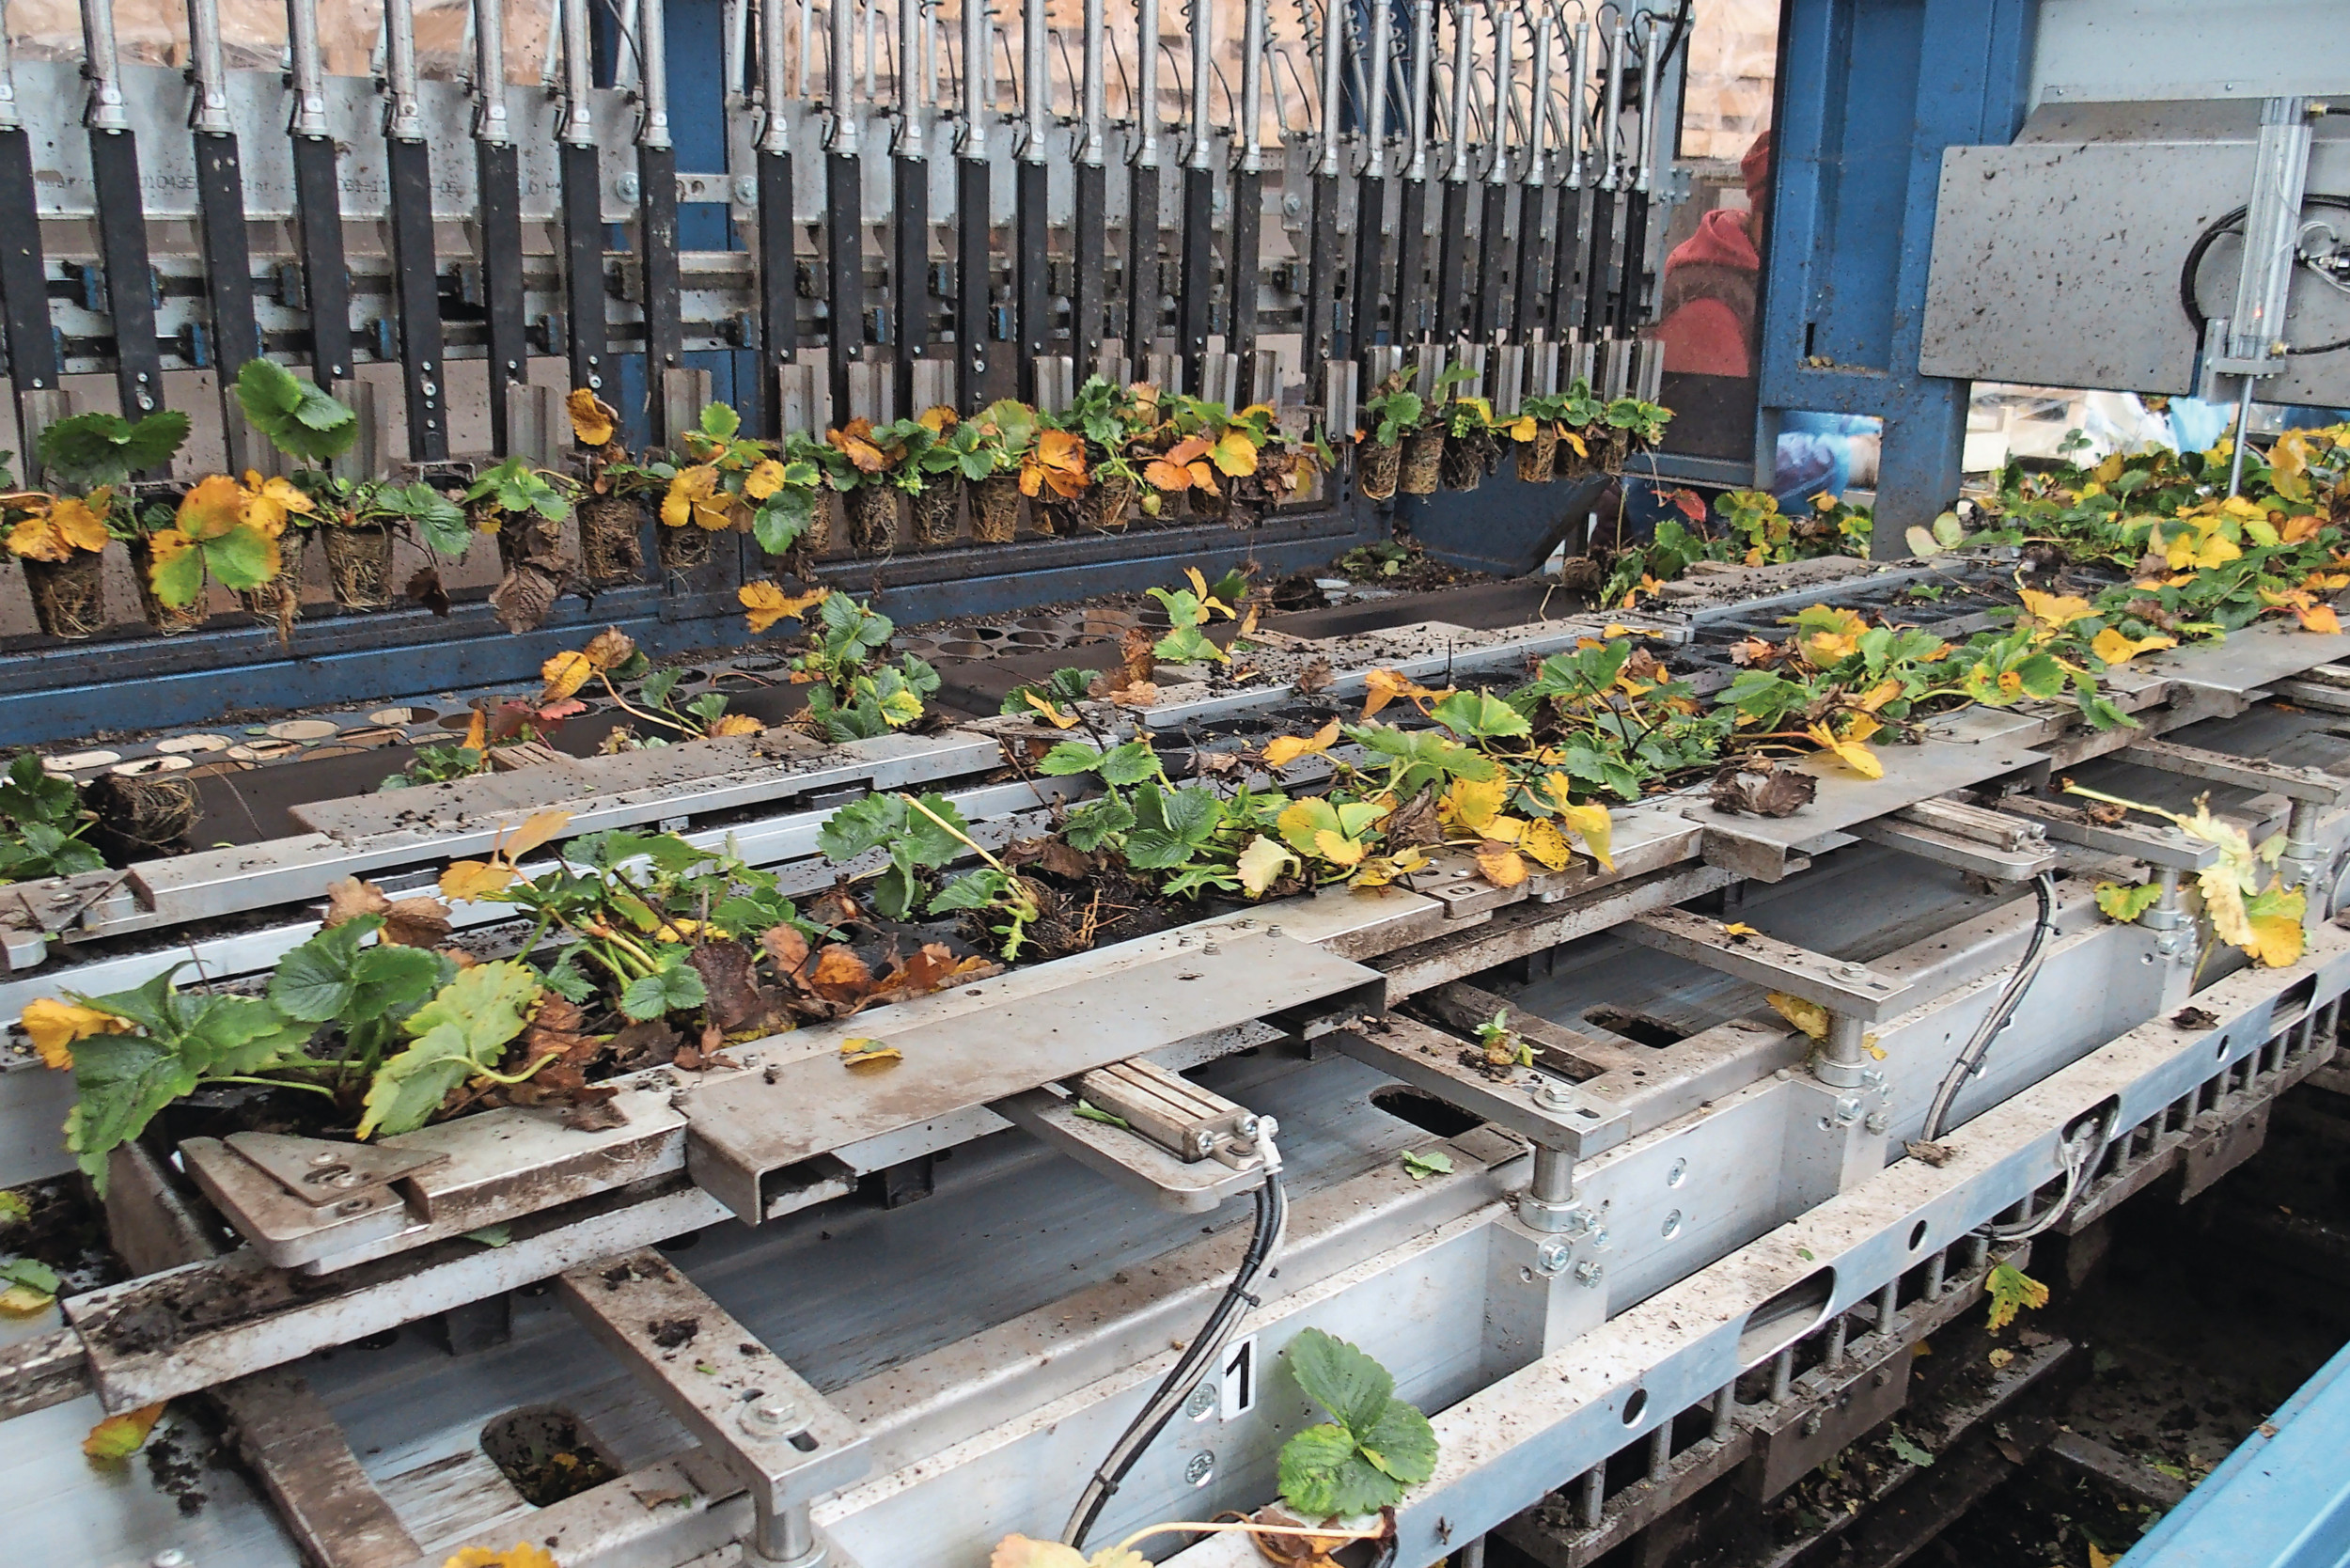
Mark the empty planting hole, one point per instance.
(1636, 1027)
(1424, 1111)
(545, 1451)
(1634, 1408)
(1918, 1235)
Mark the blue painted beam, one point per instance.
(2280, 1501)
(1870, 94)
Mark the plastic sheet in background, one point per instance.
(155, 32)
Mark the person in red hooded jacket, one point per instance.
(1708, 322)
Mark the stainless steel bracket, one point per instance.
(765, 1423)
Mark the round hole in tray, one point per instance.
(1036, 639)
(303, 730)
(145, 766)
(402, 715)
(75, 762)
(180, 744)
(967, 650)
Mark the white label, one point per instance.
(1238, 1375)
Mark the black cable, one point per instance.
(1970, 1059)
(1271, 1219)
(2201, 247)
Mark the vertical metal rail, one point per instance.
(1451, 263)
(1492, 226)
(779, 263)
(972, 214)
(1567, 238)
(23, 273)
(1537, 211)
(582, 205)
(498, 164)
(909, 210)
(1413, 320)
(1142, 204)
(1600, 259)
(1089, 244)
(1248, 203)
(1196, 302)
(1031, 269)
(656, 218)
(220, 205)
(1631, 276)
(1370, 189)
(114, 155)
(1321, 254)
(415, 271)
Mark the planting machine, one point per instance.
(1784, 1088)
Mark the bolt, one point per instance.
(1877, 1122)
(347, 1179)
(1202, 1403)
(1245, 1126)
(745, 189)
(1596, 1233)
(1551, 1257)
(1880, 1377)
(1811, 1425)
(1210, 948)
(1848, 1108)
(1201, 1469)
(626, 187)
(770, 1418)
(1551, 1094)
(1850, 971)
(171, 1557)
(1273, 931)
(326, 1157)
(1589, 1272)
(1245, 922)
(351, 1206)
(1203, 1140)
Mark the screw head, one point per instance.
(322, 1157)
(1589, 1272)
(1273, 931)
(1876, 1122)
(1551, 1257)
(770, 1418)
(1850, 971)
(170, 1556)
(1202, 1403)
(1848, 1108)
(1210, 948)
(1811, 1425)
(1201, 1469)
(1553, 1095)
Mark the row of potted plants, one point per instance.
(1414, 443)
(1114, 454)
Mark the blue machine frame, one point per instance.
(1870, 92)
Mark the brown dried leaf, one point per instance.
(736, 1001)
(525, 596)
(1136, 656)
(418, 922)
(638, 1047)
(351, 897)
(932, 966)
(1047, 855)
(426, 589)
(1415, 822)
(1313, 678)
(788, 948)
(1756, 786)
(840, 975)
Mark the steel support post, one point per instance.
(114, 155)
(498, 165)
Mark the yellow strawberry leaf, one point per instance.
(1471, 803)
(2274, 918)
(475, 880)
(2126, 903)
(1811, 1017)
(1261, 864)
(736, 724)
(1383, 686)
(1379, 870)
(2115, 648)
(2054, 611)
(118, 1437)
(2320, 618)
(1338, 849)
(1501, 863)
(1054, 715)
(1851, 753)
(1739, 928)
(1282, 750)
(1544, 842)
(564, 674)
(765, 604)
(536, 829)
(1591, 824)
(522, 1554)
(858, 1050)
(592, 420)
(54, 1026)
(763, 481)
(22, 1301)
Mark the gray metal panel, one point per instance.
(2142, 49)
(2056, 261)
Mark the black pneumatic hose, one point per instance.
(1970, 1061)
(1264, 1243)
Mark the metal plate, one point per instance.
(1034, 1033)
